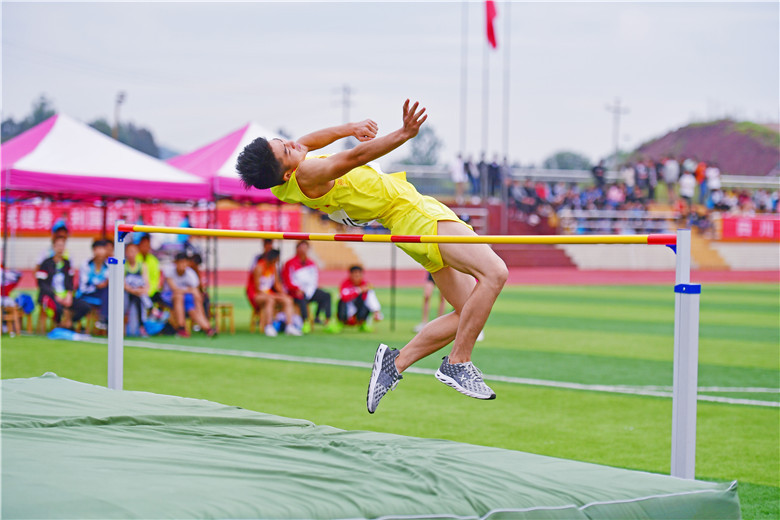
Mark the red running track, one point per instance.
(541, 276)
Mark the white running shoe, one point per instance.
(420, 326)
(481, 336)
(465, 378)
(384, 376)
(292, 330)
(270, 331)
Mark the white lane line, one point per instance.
(725, 389)
(651, 391)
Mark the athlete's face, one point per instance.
(288, 153)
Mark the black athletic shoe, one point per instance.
(384, 376)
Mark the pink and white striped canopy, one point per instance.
(67, 158)
(216, 162)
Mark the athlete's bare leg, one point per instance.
(472, 301)
(456, 287)
(491, 273)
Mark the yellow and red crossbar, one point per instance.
(652, 239)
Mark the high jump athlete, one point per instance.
(350, 191)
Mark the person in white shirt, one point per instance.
(181, 292)
(687, 187)
(671, 176)
(712, 173)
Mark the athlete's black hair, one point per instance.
(258, 167)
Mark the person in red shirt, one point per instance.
(264, 291)
(300, 277)
(701, 178)
(358, 301)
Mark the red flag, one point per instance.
(490, 14)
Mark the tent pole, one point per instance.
(216, 256)
(105, 218)
(207, 254)
(6, 207)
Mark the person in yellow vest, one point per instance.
(354, 191)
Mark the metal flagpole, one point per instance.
(483, 180)
(463, 77)
(507, 69)
(116, 309)
(686, 361)
(505, 110)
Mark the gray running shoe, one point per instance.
(465, 378)
(384, 376)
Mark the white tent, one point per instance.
(64, 157)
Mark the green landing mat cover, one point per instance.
(73, 450)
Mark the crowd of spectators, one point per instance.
(161, 295)
(483, 178)
(688, 188)
(281, 293)
(157, 298)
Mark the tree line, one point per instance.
(133, 136)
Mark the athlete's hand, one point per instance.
(413, 119)
(365, 130)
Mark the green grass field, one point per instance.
(592, 335)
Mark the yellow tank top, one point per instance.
(359, 197)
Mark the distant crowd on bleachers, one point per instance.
(690, 190)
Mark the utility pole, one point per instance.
(616, 111)
(120, 98)
(346, 102)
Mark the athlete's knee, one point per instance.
(496, 273)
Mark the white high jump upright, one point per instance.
(116, 310)
(686, 362)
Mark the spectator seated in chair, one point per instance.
(59, 229)
(152, 264)
(301, 277)
(195, 262)
(182, 294)
(11, 309)
(264, 291)
(93, 282)
(137, 301)
(55, 288)
(10, 278)
(358, 302)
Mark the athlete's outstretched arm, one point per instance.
(363, 131)
(316, 172)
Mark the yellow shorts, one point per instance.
(422, 219)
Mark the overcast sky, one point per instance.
(195, 71)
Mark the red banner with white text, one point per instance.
(759, 228)
(84, 219)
